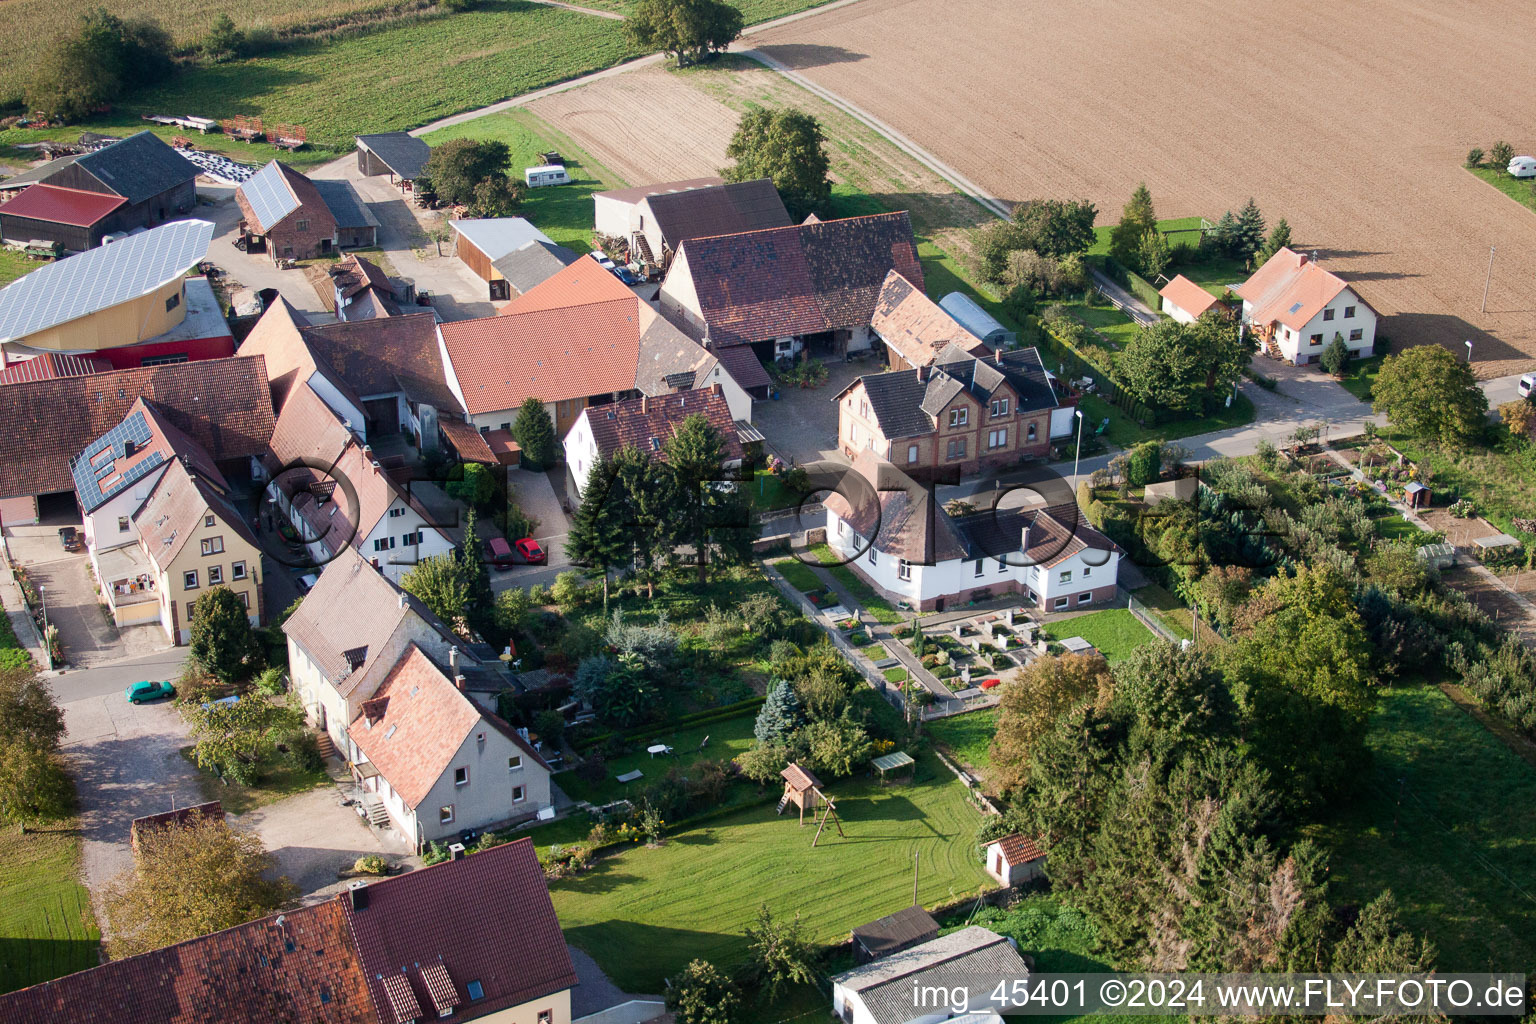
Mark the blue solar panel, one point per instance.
(269, 195)
(98, 462)
(102, 277)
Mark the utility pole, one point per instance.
(1489, 279)
(915, 855)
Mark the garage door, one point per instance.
(383, 415)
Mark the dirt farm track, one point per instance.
(1351, 120)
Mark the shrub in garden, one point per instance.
(1335, 357)
(1475, 156)
(370, 864)
(1500, 156)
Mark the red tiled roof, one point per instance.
(796, 280)
(638, 420)
(300, 966)
(222, 404)
(424, 721)
(486, 918)
(71, 206)
(468, 442)
(49, 365)
(1188, 296)
(743, 366)
(180, 500)
(915, 326)
(1019, 848)
(402, 1001)
(1290, 288)
(576, 334)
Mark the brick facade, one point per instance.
(857, 428)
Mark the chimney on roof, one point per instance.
(922, 374)
(453, 657)
(455, 851)
(461, 683)
(1314, 256)
(1024, 541)
(645, 404)
(401, 597)
(357, 893)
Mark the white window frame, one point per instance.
(461, 776)
(445, 814)
(519, 794)
(215, 575)
(1065, 576)
(1085, 598)
(873, 558)
(981, 567)
(515, 763)
(911, 453)
(237, 571)
(903, 569)
(189, 580)
(212, 545)
(1061, 604)
(959, 417)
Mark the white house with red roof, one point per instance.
(1297, 309)
(1185, 301)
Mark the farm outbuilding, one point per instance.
(400, 155)
(1014, 859)
(484, 241)
(893, 933)
(1417, 495)
(74, 218)
(977, 320)
(1185, 301)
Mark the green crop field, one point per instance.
(645, 913)
(187, 21)
(47, 928)
(396, 77)
(1446, 818)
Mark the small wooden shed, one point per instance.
(893, 933)
(1014, 859)
(1416, 495)
(801, 788)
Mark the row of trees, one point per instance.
(636, 510)
(103, 58)
(1136, 241)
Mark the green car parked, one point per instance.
(148, 690)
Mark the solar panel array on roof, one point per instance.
(269, 195)
(95, 469)
(100, 278)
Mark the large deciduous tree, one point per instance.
(33, 782)
(103, 58)
(788, 146)
(457, 167)
(1429, 393)
(1050, 228)
(1031, 703)
(779, 953)
(691, 30)
(441, 584)
(710, 513)
(1174, 366)
(220, 638)
(236, 739)
(190, 879)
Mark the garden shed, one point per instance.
(978, 321)
(1492, 545)
(897, 761)
(1416, 495)
(1014, 859)
(893, 933)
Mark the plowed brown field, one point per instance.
(1349, 119)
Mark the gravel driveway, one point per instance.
(313, 837)
(126, 764)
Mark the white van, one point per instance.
(1523, 167)
(1527, 385)
(547, 174)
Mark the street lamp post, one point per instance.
(1079, 456)
(1469, 351)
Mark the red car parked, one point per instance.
(528, 549)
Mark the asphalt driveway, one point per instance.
(89, 636)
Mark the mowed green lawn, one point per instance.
(967, 738)
(645, 913)
(13, 265)
(47, 928)
(725, 738)
(394, 78)
(1115, 632)
(563, 212)
(1446, 819)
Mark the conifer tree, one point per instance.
(780, 715)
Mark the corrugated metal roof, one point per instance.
(269, 195)
(972, 317)
(405, 154)
(497, 236)
(62, 205)
(100, 278)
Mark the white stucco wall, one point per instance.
(101, 526)
(1296, 346)
(487, 798)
